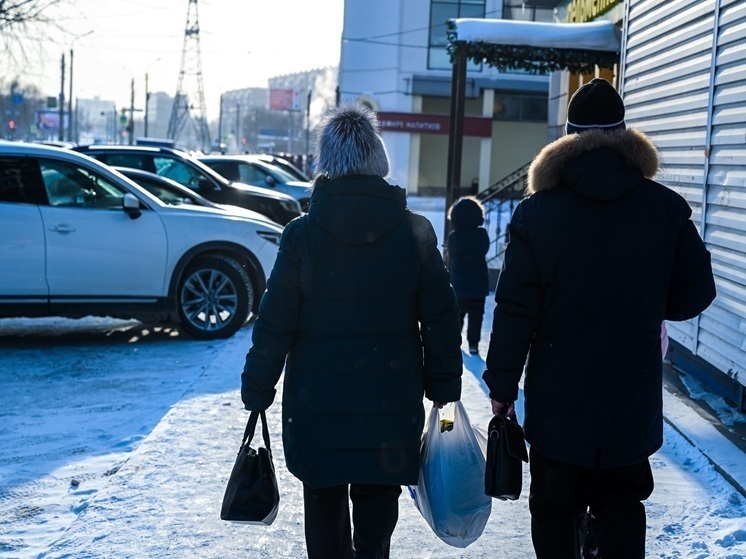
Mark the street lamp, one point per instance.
(70, 123)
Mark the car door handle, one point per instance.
(62, 229)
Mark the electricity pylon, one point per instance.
(189, 102)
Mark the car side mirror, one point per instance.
(270, 180)
(131, 206)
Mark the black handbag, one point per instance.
(251, 496)
(506, 452)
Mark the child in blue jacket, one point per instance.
(468, 243)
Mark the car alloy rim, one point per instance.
(209, 299)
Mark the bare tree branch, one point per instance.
(19, 17)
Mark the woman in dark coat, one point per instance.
(599, 255)
(360, 305)
(468, 244)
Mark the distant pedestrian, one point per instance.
(468, 244)
(599, 255)
(360, 307)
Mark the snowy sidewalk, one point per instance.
(150, 426)
(164, 501)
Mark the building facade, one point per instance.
(95, 122)
(158, 114)
(315, 91)
(238, 114)
(394, 59)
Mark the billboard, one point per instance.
(284, 100)
(50, 120)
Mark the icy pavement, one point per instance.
(147, 424)
(164, 499)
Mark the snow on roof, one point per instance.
(596, 36)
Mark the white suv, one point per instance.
(77, 238)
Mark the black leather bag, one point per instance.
(251, 496)
(506, 452)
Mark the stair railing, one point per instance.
(499, 200)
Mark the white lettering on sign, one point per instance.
(407, 125)
(434, 126)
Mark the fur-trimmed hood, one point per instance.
(598, 164)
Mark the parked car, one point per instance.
(283, 164)
(193, 174)
(174, 194)
(251, 170)
(79, 238)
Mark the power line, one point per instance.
(412, 30)
(372, 42)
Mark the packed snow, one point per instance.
(117, 439)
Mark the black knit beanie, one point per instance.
(596, 105)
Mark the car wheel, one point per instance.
(214, 298)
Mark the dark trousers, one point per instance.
(561, 495)
(375, 510)
(474, 308)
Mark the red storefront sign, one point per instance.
(415, 123)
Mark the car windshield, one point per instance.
(206, 170)
(178, 171)
(170, 197)
(279, 174)
(290, 169)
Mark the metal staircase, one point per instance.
(499, 200)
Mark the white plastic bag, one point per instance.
(450, 492)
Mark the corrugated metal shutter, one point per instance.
(689, 95)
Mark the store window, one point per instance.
(518, 10)
(440, 12)
(523, 108)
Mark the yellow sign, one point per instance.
(580, 11)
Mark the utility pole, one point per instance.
(308, 124)
(131, 125)
(220, 124)
(114, 130)
(238, 128)
(70, 102)
(72, 120)
(147, 102)
(61, 125)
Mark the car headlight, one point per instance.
(271, 236)
(291, 205)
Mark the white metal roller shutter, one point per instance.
(689, 95)
(722, 329)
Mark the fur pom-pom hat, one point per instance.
(595, 106)
(348, 143)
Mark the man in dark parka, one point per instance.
(599, 256)
(359, 302)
